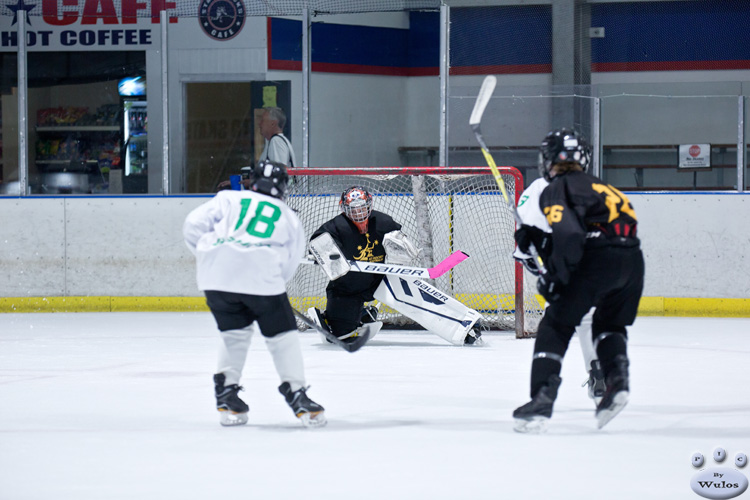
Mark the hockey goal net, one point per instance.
(441, 210)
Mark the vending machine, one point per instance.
(134, 135)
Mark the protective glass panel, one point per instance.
(88, 123)
(9, 185)
(375, 87)
(514, 122)
(669, 137)
(218, 140)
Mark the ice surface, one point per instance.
(120, 406)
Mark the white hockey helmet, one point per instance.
(356, 204)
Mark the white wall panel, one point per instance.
(129, 247)
(32, 247)
(695, 245)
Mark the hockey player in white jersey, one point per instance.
(247, 246)
(535, 229)
(366, 235)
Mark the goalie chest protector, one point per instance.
(366, 247)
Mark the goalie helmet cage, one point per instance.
(441, 210)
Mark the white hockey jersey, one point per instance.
(529, 211)
(244, 242)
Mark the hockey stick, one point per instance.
(352, 346)
(485, 93)
(443, 267)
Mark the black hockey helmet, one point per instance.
(269, 177)
(563, 146)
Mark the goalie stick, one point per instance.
(443, 267)
(352, 346)
(483, 98)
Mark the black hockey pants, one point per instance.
(608, 278)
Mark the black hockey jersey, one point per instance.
(584, 212)
(366, 247)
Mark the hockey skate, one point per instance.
(532, 417)
(369, 315)
(310, 413)
(232, 410)
(366, 331)
(595, 382)
(317, 317)
(474, 337)
(617, 394)
(369, 323)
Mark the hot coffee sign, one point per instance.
(84, 23)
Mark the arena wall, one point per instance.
(127, 253)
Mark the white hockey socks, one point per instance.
(287, 357)
(586, 339)
(233, 352)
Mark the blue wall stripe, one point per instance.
(671, 31)
(688, 34)
(491, 36)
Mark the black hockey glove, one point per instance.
(526, 235)
(549, 287)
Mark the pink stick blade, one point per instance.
(452, 261)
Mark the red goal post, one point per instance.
(441, 209)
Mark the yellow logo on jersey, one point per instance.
(365, 254)
(615, 200)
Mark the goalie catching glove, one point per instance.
(398, 248)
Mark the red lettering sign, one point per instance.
(91, 12)
(130, 10)
(94, 10)
(51, 15)
(159, 5)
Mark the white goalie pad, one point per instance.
(398, 248)
(328, 255)
(436, 311)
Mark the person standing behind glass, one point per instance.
(277, 147)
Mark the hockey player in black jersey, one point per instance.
(359, 232)
(594, 261)
(364, 234)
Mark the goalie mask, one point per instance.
(269, 177)
(356, 204)
(563, 146)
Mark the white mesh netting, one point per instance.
(191, 8)
(441, 213)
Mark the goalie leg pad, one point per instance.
(434, 310)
